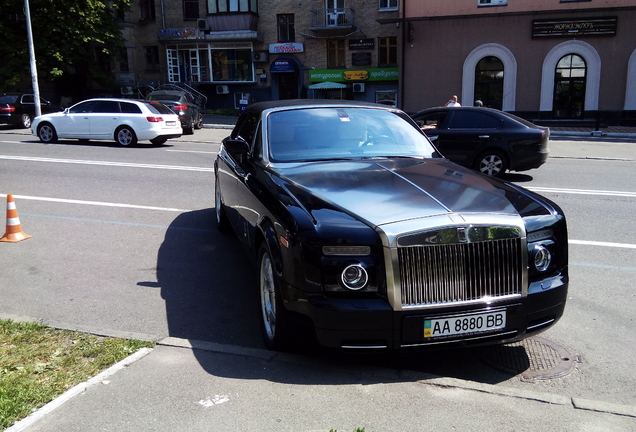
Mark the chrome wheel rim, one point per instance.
(26, 120)
(217, 201)
(268, 296)
(491, 165)
(46, 133)
(124, 137)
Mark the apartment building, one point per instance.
(567, 60)
(233, 50)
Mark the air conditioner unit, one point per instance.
(222, 89)
(259, 56)
(203, 24)
(358, 87)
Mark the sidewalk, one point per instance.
(199, 386)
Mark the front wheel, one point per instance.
(125, 136)
(492, 163)
(25, 119)
(46, 133)
(222, 222)
(274, 323)
(199, 122)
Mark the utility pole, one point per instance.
(34, 69)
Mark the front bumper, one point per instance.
(372, 323)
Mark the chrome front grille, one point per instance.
(441, 274)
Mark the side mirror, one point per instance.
(66, 110)
(238, 148)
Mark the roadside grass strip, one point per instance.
(38, 363)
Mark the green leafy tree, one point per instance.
(73, 39)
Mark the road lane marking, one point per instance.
(583, 192)
(604, 244)
(97, 203)
(106, 163)
(192, 151)
(603, 267)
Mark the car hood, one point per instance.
(387, 191)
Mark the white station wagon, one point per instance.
(124, 120)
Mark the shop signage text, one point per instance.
(286, 48)
(569, 28)
(343, 75)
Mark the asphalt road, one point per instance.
(124, 244)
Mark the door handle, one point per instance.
(484, 136)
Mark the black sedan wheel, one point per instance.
(492, 163)
(199, 123)
(222, 222)
(125, 136)
(25, 119)
(275, 329)
(158, 141)
(46, 133)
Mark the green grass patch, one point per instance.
(39, 363)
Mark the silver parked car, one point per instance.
(123, 120)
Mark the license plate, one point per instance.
(465, 324)
(171, 123)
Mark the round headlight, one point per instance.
(542, 257)
(355, 277)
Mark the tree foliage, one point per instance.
(71, 37)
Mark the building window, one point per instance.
(569, 87)
(147, 8)
(123, 61)
(232, 65)
(222, 6)
(152, 58)
(489, 79)
(286, 30)
(387, 51)
(190, 10)
(388, 5)
(336, 53)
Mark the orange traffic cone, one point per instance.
(14, 230)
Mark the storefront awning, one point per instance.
(327, 86)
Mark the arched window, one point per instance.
(489, 81)
(569, 87)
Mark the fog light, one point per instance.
(542, 258)
(355, 277)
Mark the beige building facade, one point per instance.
(255, 50)
(550, 60)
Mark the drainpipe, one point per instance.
(404, 34)
(163, 15)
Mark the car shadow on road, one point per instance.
(209, 288)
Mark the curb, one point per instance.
(79, 388)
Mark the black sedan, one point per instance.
(485, 139)
(362, 233)
(19, 108)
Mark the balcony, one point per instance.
(332, 22)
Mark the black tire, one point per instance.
(158, 141)
(125, 136)
(274, 322)
(25, 120)
(189, 130)
(199, 122)
(492, 163)
(47, 133)
(222, 222)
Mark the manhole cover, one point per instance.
(535, 358)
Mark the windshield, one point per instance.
(342, 133)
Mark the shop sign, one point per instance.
(340, 75)
(286, 48)
(361, 59)
(230, 45)
(281, 66)
(176, 33)
(355, 44)
(361, 75)
(578, 27)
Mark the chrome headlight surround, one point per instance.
(541, 257)
(354, 277)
